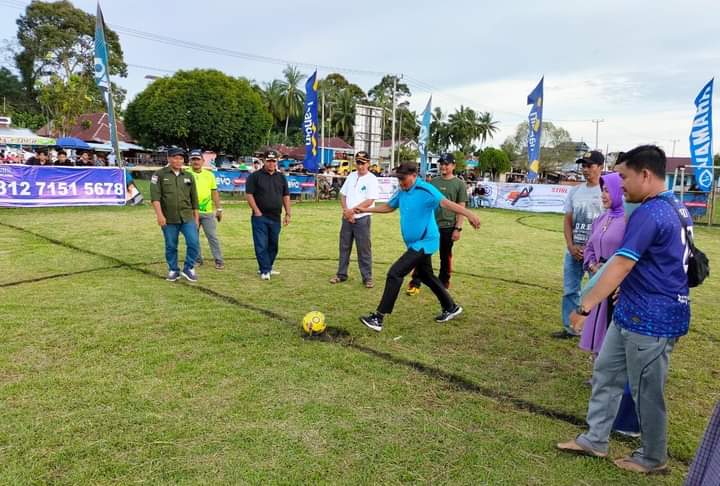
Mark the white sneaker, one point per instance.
(265, 276)
(272, 272)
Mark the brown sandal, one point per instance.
(369, 283)
(336, 280)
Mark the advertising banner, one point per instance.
(541, 198)
(388, 186)
(39, 186)
(234, 181)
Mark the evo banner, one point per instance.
(234, 181)
(45, 186)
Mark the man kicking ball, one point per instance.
(417, 201)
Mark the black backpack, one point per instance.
(698, 263)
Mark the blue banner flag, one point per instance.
(310, 124)
(701, 139)
(535, 129)
(28, 186)
(102, 79)
(423, 138)
(234, 181)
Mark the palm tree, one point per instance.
(439, 133)
(463, 128)
(486, 126)
(273, 97)
(293, 97)
(343, 116)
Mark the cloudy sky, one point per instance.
(636, 65)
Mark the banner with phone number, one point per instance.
(46, 186)
(234, 181)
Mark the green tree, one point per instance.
(494, 161)
(65, 100)
(56, 41)
(292, 94)
(406, 154)
(463, 129)
(439, 132)
(200, 108)
(343, 114)
(382, 95)
(273, 98)
(556, 147)
(486, 126)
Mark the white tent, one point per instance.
(23, 136)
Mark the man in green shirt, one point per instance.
(209, 203)
(449, 223)
(175, 200)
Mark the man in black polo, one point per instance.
(267, 193)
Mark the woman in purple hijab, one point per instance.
(606, 237)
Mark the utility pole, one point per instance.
(597, 129)
(322, 129)
(392, 135)
(674, 141)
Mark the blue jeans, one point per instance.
(171, 232)
(266, 233)
(572, 278)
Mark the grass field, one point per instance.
(110, 375)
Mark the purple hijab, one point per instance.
(613, 182)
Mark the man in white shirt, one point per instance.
(360, 190)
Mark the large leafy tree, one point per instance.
(56, 40)
(292, 94)
(65, 100)
(439, 132)
(486, 126)
(382, 95)
(200, 108)
(343, 114)
(556, 147)
(494, 160)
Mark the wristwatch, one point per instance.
(457, 229)
(580, 310)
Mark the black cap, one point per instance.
(196, 154)
(362, 156)
(447, 159)
(593, 157)
(173, 151)
(406, 168)
(270, 155)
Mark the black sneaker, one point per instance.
(564, 335)
(374, 321)
(189, 275)
(448, 315)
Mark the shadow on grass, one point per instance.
(339, 336)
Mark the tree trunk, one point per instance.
(287, 120)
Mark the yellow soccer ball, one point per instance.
(314, 323)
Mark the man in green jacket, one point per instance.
(175, 200)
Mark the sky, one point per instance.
(636, 65)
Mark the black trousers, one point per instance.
(422, 264)
(446, 246)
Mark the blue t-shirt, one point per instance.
(654, 297)
(417, 216)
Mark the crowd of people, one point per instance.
(54, 157)
(623, 228)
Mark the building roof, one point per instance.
(98, 130)
(335, 143)
(675, 163)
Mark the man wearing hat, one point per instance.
(360, 189)
(582, 206)
(417, 201)
(450, 224)
(175, 199)
(209, 203)
(267, 193)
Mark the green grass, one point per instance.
(110, 375)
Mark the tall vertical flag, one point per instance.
(535, 129)
(310, 124)
(423, 138)
(102, 79)
(701, 139)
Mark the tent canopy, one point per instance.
(23, 136)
